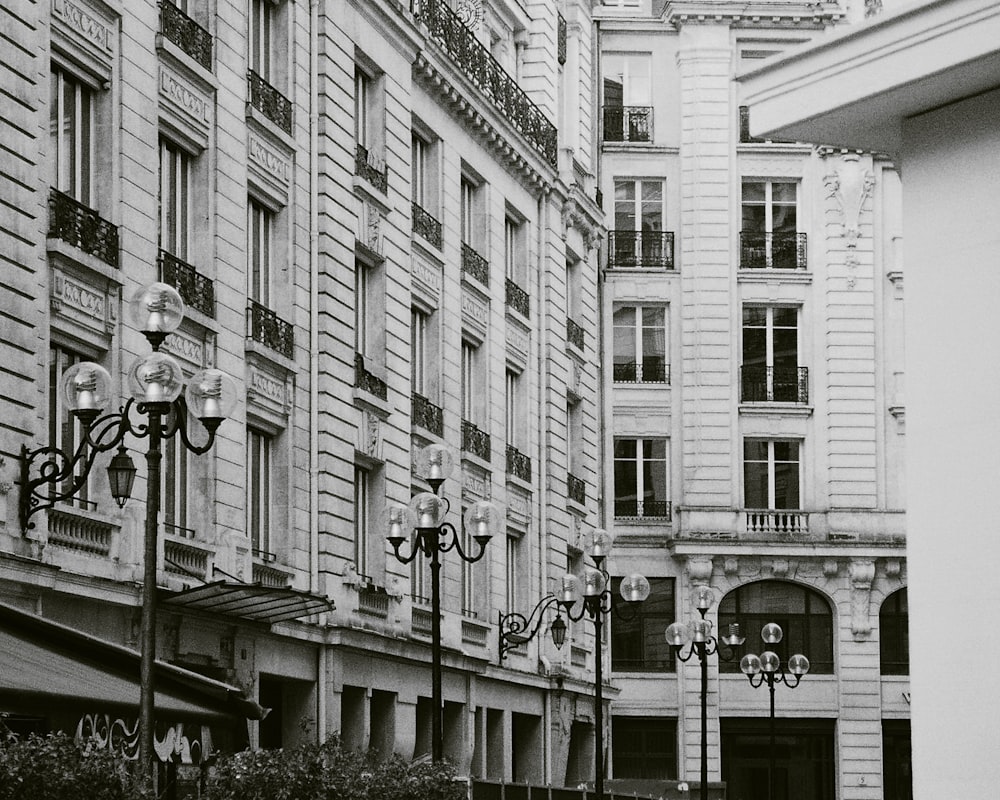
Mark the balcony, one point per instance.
(269, 101)
(367, 381)
(517, 298)
(475, 441)
(270, 330)
(197, 291)
(371, 168)
(772, 250)
(628, 123)
(777, 521)
(760, 384)
(641, 249)
(576, 489)
(574, 334)
(652, 370)
(76, 224)
(185, 559)
(644, 509)
(188, 35)
(518, 464)
(475, 265)
(427, 226)
(426, 415)
(373, 600)
(77, 530)
(479, 66)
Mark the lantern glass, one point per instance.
(427, 511)
(701, 630)
(484, 520)
(396, 522)
(435, 462)
(157, 308)
(600, 544)
(798, 665)
(769, 661)
(156, 378)
(750, 664)
(702, 597)
(771, 633)
(594, 582)
(634, 588)
(558, 632)
(86, 387)
(570, 591)
(211, 394)
(121, 476)
(677, 634)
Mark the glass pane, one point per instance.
(755, 316)
(753, 192)
(786, 451)
(626, 487)
(785, 317)
(652, 191)
(786, 348)
(786, 485)
(754, 450)
(755, 484)
(783, 219)
(753, 219)
(624, 345)
(625, 449)
(754, 347)
(783, 193)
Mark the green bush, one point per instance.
(55, 767)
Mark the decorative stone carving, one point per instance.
(471, 13)
(699, 569)
(831, 567)
(781, 568)
(850, 185)
(893, 567)
(731, 566)
(370, 436)
(862, 573)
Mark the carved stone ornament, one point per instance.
(862, 573)
(699, 569)
(470, 12)
(850, 184)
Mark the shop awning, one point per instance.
(248, 601)
(43, 663)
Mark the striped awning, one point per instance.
(249, 601)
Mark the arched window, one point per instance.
(803, 614)
(894, 635)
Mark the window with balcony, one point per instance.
(362, 521)
(423, 379)
(369, 126)
(574, 303)
(771, 486)
(804, 615)
(71, 136)
(426, 211)
(637, 643)
(266, 68)
(640, 344)
(265, 326)
(518, 464)
(639, 238)
(576, 487)
(259, 496)
(177, 24)
(175, 487)
(627, 102)
(474, 394)
(515, 239)
(369, 327)
(473, 220)
(641, 478)
(769, 237)
(770, 371)
(894, 635)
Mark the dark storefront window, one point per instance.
(897, 775)
(637, 642)
(644, 747)
(894, 636)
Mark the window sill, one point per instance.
(775, 409)
(770, 274)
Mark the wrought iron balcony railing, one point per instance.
(651, 370)
(574, 334)
(518, 464)
(188, 35)
(197, 291)
(576, 489)
(426, 415)
(367, 381)
(270, 330)
(427, 226)
(74, 223)
(561, 39)
(628, 123)
(371, 168)
(479, 65)
(475, 265)
(475, 441)
(643, 509)
(641, 249)
(772, 250)
(517, 298)
(777, 521)
(269, 101)
(761, 384)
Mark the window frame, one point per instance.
(772, 474)
(638, 462)
(768, 202)
(66, 432)
(175, 194)
(642, 633)
(176, 484)
(261, 230)
(362, 520)
(81, 147)
(640, 333)
(260, 490)
(894, 634)
(652, 731)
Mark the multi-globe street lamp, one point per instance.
(596, 604)
(767, 668)
(432, 537)
(697, 637)
(156, 383)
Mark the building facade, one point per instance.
(533, 232)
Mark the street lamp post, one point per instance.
(432, 537)
(697, 637)
(155, 382)
(767, 668)
(517, 629)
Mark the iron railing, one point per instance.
(574, 334)
(372, 169)
(188, 35)
(628, 123)
(475, 441)
(641, 249)
(652, 370)
(517, 298)
(490, 790)
(488, 75)
(197, 291)
(427, 415)
(761, 384)
(576, 489)
(643, 509)
(427, 226)
(518, 464)
(560, 39)
(269, 101)
(270, 330)
(367, 381)
(80, 226)
(772, 250)
(475, 265)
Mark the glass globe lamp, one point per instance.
(155, 378)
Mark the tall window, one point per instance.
(804, 615)
(771, 474)
(469, 198)
(362, 523)
(71, 136)
(362, 309)
(641, 478)
(513, 571)
(468, 575)
(418, 351)
(768, 233)
(639, 238)
(258, 487)
(770, 354)
(65, 431)
(515, 257)
(175, 199)
(260, 224)
(644, 747)
(175, 484)
(419, 164)
(512, 403)
(640, 347)
(894, 635)
(469, 406)
(627, 97)
(419, 580)
(637, 643)
(261, 34)
(362, 107)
